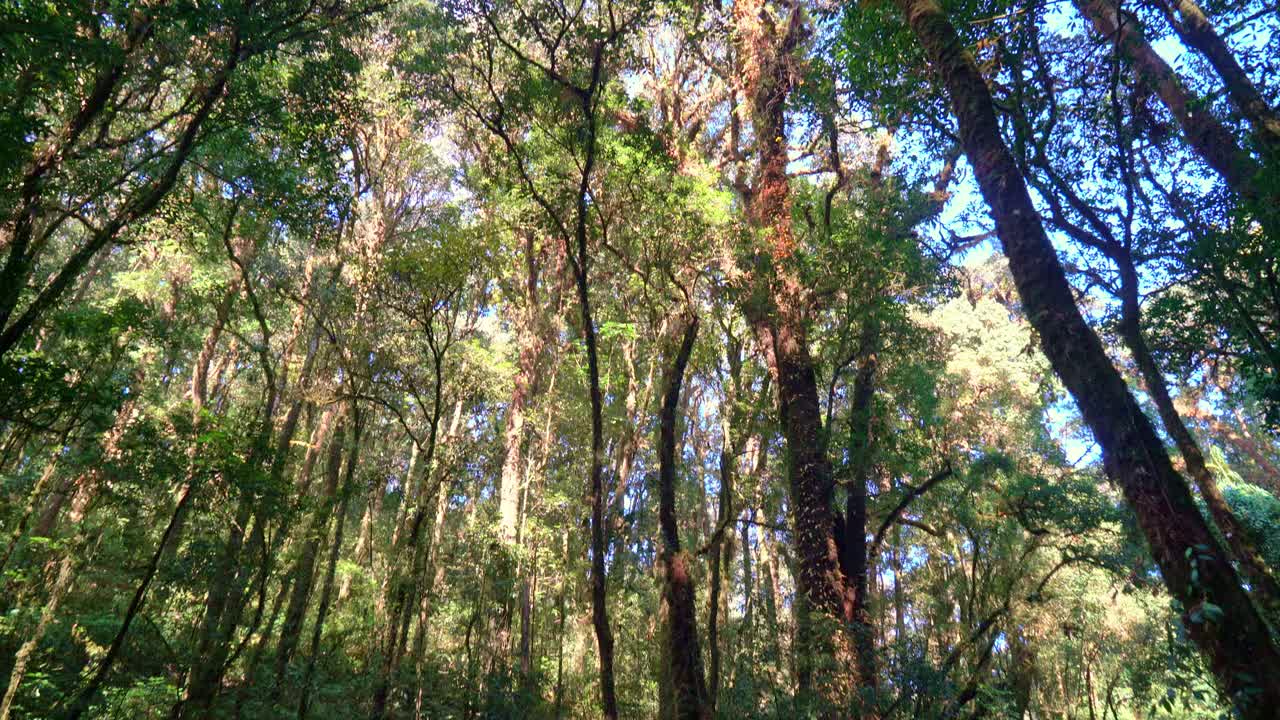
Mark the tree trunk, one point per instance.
(304, 570)
(852, 536)
(772, 582)
(1266, 590)
(227, 586)
(746, 637)
(735, 434)
(558, 694)
(723, 509)
(595, 488)
(689, 700)
(85, 697)
(399, 588)
(200, 371)
(326, 593)
(1194, 566)
(67, 567)
(777, 309)
(19, 228)
(66, 573)
(1203, 132)
(528, 592)
(84, 488)
(630, 441)
(55, 501)
(139, 204)
(524, 387)
(1195, 31)
(1239, 437)
(513, 464)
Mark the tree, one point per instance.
(547, 359)
(1179, 537)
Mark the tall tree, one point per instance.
(1196, 569)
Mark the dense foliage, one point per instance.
(554, 359)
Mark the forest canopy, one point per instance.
(640, 358)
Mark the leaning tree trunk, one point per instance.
(86, 695)
(139, 204)
(1208, 137)
(1264, 583)
(169, 541)
(1196, 31)
(66, 575)
(227, 587)
(21, 659)
(1197, 571)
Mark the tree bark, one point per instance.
(61, 584)
(304, 570)
(200, 371)
(718, 561)
(1196, 31)
(1239, 437)
(630, 441)
(67, 568)
(223, 609)
(852, 531)
(777, 309)
(400, 584)
(737, 434)
(1194, 566)
(579, 259)
(1208, 137)
(689, 699)
(1265, 587)
(322, 610)
(85, 697)
(19, 228)
(430, 575)
(48, 517)
(525, 386)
